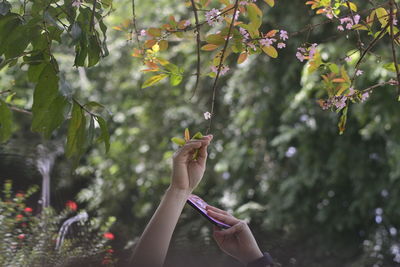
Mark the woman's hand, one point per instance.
(237, 241)
(187, 172)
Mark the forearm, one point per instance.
(153, 245)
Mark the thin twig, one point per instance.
(359, 43)
(93, 13)
(84, 108)
(391, 20)
(24, 111)
(197, 31)
(391, 82)
(367, 49)
(214, 88)
(134, 23)
(5, 91)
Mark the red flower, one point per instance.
(21, 236)
(108, 235)
(28, 209)
(19, 217)
(71, 205)
(19, 195)
(110, 250)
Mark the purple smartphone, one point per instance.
(200, 205)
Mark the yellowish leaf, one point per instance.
(270, 2)
(270, 51)
(242, 58)
(187, 134)
(209, 47)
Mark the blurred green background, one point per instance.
(311, 196)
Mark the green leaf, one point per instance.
(154, 79)
(391, 67)
(105, 135)
(8, 24)
(255, 15)
(178, 141)
(382, 15)
(334, 68)
(81, 54)
(90, 136)
(216, 39)
(175, 79)
(76, 132)
(198, 135)
(48, 105)
(5, 122)
(94, 51)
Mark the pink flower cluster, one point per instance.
(245, 3)
(223, 71)
(306, 53)
(77, 3)
(341, 101)
(349, 22)
(213, 16)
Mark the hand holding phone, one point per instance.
(200, 205)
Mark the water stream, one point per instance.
(83, 216)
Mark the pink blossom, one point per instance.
(212, 16)
(359, 72)
(281, 45)
(341, 103)
(329, 15)
(77, 3)
(351, 91)
(207, 115)
(284, 35)
(349, 26)
(252, 46)
(244, 33)
(347, 59)
(313, 50)
(243, 3)
(237, 15)
(302, 49)
(340, 28)
(267, 41)
(187, 23)
(364, 96)
(223, 71)
(300, 56)
(143, 33)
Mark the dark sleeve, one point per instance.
(265, 261)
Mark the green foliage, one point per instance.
(29, 240)
(5, 122)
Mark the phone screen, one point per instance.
(200, 205)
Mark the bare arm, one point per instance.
(187, 173)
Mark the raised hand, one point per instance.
(237, 241)
(188, 172)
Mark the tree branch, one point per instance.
(197, 31)
(391, 20)
(134, 23)
(214, 88)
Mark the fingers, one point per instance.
(235, 229)
(228, 219)
(202, 156)
(209, 207)
(191, 145)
